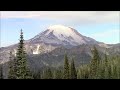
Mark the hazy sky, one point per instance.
(100, 25)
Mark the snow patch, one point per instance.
(15, 51)
(37, 50)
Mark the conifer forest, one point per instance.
(105, 67)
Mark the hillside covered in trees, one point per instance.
(99, 67)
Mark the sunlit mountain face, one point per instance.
(49, 47)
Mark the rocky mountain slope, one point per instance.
(48, 47)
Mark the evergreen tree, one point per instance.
(102, 70)
(66, 68)
(109, 73)
(73, 74)
(94, 63)
(43, 74)
(11, 73)
(106, 60)
(48, 74)
(58, 74)
(37, 75)
(106, 66)
(21, 69)
(1, 72)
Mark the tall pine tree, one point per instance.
(11, 72)
(106, 68)
(106, 60)
(66, 74)
(21, 69)
(94, 63)
(73, 73)
(1, 72)
(48, 74)
(58, 74)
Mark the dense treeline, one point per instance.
(105, 69)
(98, 68)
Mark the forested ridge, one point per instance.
(99, 67)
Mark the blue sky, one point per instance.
(102, 26)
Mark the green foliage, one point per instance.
(108, 68)
(73, 73)
(58, 74)
(36, 75)
(66, 68)
(21, 70)
(94, 63)
(11, 72)
(98, 68)
(1, 72)
(48, 74)
(111, 71)
(83, 72)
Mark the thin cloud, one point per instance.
(77, 17)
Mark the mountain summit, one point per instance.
(48, 47)
(53, 37)
(62, 35)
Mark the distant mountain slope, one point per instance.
(49, 47)
(61, 35)
(81, 54)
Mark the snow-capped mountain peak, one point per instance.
(60, 29)
(65, 34)
(61, 35)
